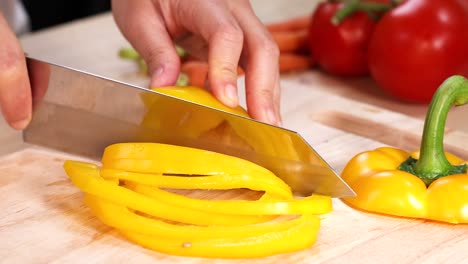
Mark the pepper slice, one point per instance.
(213, 241)
(176, 160)
(88, 179)
(429, 184)
(314, 204)
(297, 237)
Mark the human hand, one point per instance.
(15, 89)
(225, 33)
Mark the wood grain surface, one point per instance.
(44, 220)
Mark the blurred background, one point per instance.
(46, 13)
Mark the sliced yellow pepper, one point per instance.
(429, 184)
(299, 236)
(177, 160)
(89, 180)
(314, 204)
(128, 197)
(172, 159)
(130, 221)
(225, 172)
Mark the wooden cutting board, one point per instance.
(43, 218)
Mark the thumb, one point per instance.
(15, 89)
(144, 28)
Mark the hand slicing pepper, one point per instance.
(129, 192)
(429, 184)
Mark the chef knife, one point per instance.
(82, 113)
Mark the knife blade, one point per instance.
(82, 113)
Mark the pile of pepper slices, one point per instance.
(129, 193)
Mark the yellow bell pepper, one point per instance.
(181, 117)
(126, 193)
(185, 122)
(197, 95)
(429, 184)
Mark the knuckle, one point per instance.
(153, 55)
(231, 34)
(10, 60)
(159, 55)
(227, 70)
(263, 96)
(268, 47)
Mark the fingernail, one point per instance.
(156, 77)
(272, 118)
(230, 96)
(159, 70)
(20, 125)
(279, 122)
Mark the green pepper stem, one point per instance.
(129, 53)
(433, 163)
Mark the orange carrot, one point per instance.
(291, 24)
(240, 71)
(190, 57)
(197, 72)
(290, 62)
(289, 41)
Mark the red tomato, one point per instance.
(340, 49)
(419, 44)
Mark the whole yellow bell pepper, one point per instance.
(429, 184)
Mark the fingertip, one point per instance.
(164, 75)
(16, 107)
(277, 120)
(15, 94)
(269, 116)
(262, 106)
(15, 89)
(229, 96)
(21, 124)
(157, 78)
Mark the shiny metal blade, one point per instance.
(81, 113)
